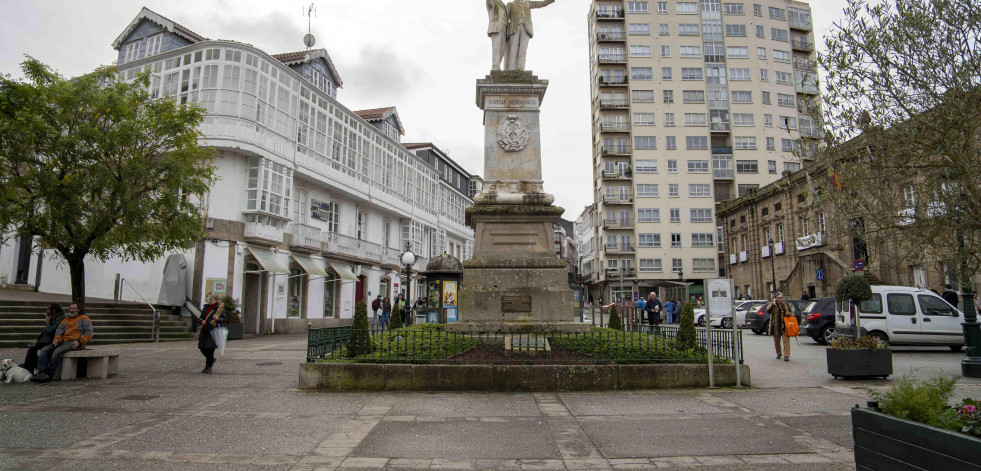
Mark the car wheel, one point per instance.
(827, 335)
(726, 323)
(701, 321)
(880, 336)
(758, 331)
(955, 348)
(766, 327)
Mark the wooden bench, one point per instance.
(88, 364)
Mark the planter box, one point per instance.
(236, 331)
(883, 442)
(859, 363)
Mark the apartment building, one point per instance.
(693, 104)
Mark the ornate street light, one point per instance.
(408, 259)
(773, 270)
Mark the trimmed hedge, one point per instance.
(615, 346)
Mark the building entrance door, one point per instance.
(252, 298)
(23, 258)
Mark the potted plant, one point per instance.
(862, 356)
(911, 427)
(231, 309)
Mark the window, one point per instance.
(699, 190)
(694, 119)
(646, 166)
(747, 166)
(764, 75)
(688, 29)
(934, 306)
(670, 143)
(664, 29)
(643, 119)
(651, 265)
(737, 52)
(742, 97)
(690, 51)
(687, 8)
(778, 14)
(703, 240)
(786, 100)
(669, 119)
(132, 50)
(672, 190)
(791, 166)
(741, 190)
(648, 215)
(675, 240)
(703, 264)
(785, 78)
(771, 165)
(665, 50)
(153, 44)
(646, 190)
(639, 29)
(770, 145)
(696, 142)
(760, 32)
(698, 166)
(649, 240)
(693, 96)
(701, 215)
(777, 34)
(641, 73)
(745, 143)
(668, 96)
(662, 8)
(788, 145)
(761, 53)
(361, 229)
(665, 73)
(640, 51)
(787, 122)
(676, 265)
(742, 119)
(901, 304)
(675, 215)
(781, 56)
(766, 98)
(642, 96)
(691, 73)
(645, 142)
(269, 187)
(637, 7)
(738, 31)
(672, 166)
(739, 74)
(757, 9)
(733, 9)
(768, 120)
(300, 202)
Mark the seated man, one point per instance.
(52, 318)
(72, 334)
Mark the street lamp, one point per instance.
(623, 271)
(408, 258)
(684, 287)
(773, 270)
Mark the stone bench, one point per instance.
(92, 363)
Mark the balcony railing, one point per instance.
(304, 237)
(611, 36)
(803, 25)
(615, 127)
(263, 233)
(720, 126)
(618, 199)
(343, 245)
(622, 223)
(805, 46)
(615, 150)
(610, 15)
(614, 104)
(614, 175)
(805, 65)
(612, 81)
(722, 150)
(611, 58)
(618, 248)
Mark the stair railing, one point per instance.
(155, 333)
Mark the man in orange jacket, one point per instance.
(73, 333)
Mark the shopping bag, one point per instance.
(220, 335)
(790, 326)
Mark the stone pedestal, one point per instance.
(514, 280)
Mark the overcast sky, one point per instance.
(422, 56)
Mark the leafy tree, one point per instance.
(360, 341)
(902, 108)
(614, 323)
(686, 327)
(96, 167)
(395, 322)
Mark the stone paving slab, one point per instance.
(467, 405)
(834, 428)
(598, 403)
(459, 439)
(40, 429)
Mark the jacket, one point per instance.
(777, 312)
(497, 17)
(951, 297)
(48, 333)
(212, 318)
(74, 328)
(375, 304)
(519, 14)
(669, 307)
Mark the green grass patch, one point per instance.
(616, 346)
(421, 343)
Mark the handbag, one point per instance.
(220, 336)
(790, 326)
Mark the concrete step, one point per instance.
(94, 317)
(101, 341)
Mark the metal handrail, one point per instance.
(155, 333)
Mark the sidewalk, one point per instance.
(161, 413)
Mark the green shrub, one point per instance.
(416, 344)
(854, 288)
(395, 321)
(614, 323)
(686, 328)
(920, 401)
(867, 342)
(231, 309)
(606, 344)
(360, 341)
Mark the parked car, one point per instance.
(819, 320)
(759, 321)
(741, 309)
(902, 315)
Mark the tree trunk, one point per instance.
(76, 267)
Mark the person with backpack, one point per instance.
(375, 306)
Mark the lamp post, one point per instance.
(773, 270)
(408, 258)
(623, 271)
(684, 287)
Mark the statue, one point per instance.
(515, 20)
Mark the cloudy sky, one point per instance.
(422, 56)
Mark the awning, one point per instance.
(269, 261)
(309, 266)
(343, 271)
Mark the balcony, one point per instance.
(618, 199)
(391, 257)
(617, 36)
(336, 244)
(800, 24)
(733, 259)
(611, 58)
(802, 45)
(765, 251)
(614, 127)
(805, 65)
(615, 249)
(262, 233)
(722, 150)
(304, 238)
(610, 15)
(623, 150)
(778, 248)
(617, 224)
(615, 175)
(613, 104)
(612, 274)
(612, 81)
(719, 126)
(743, 256)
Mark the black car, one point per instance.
(759, 321)
(819, 317)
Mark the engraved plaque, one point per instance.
(515, 303)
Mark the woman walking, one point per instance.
(778, 310)
(211, 317)
(386, 312)
(52, 317)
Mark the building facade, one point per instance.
(694, 104)
(314, 202)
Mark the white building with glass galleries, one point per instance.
(314, 202)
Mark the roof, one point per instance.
(418, 145)
(379, 114)
(148, 14)
(299, 57)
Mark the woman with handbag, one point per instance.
(779, 311)
(211, 317)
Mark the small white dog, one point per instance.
(11, 373)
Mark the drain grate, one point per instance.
(268, 363)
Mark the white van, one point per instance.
(902, 315)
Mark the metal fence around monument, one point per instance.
(432, 344)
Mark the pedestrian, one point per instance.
(805, 297)
(778, 309)
(386, 312)
(73, 332)
(977, 303)
(950, 295)
(375, 306)
(211, 316)
(53, 316)
(654, 308)
(677, 312)
(669, 311)
(641, 305)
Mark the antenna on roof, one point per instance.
(308, 39)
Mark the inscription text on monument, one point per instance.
(514, 303)
(502, 102)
